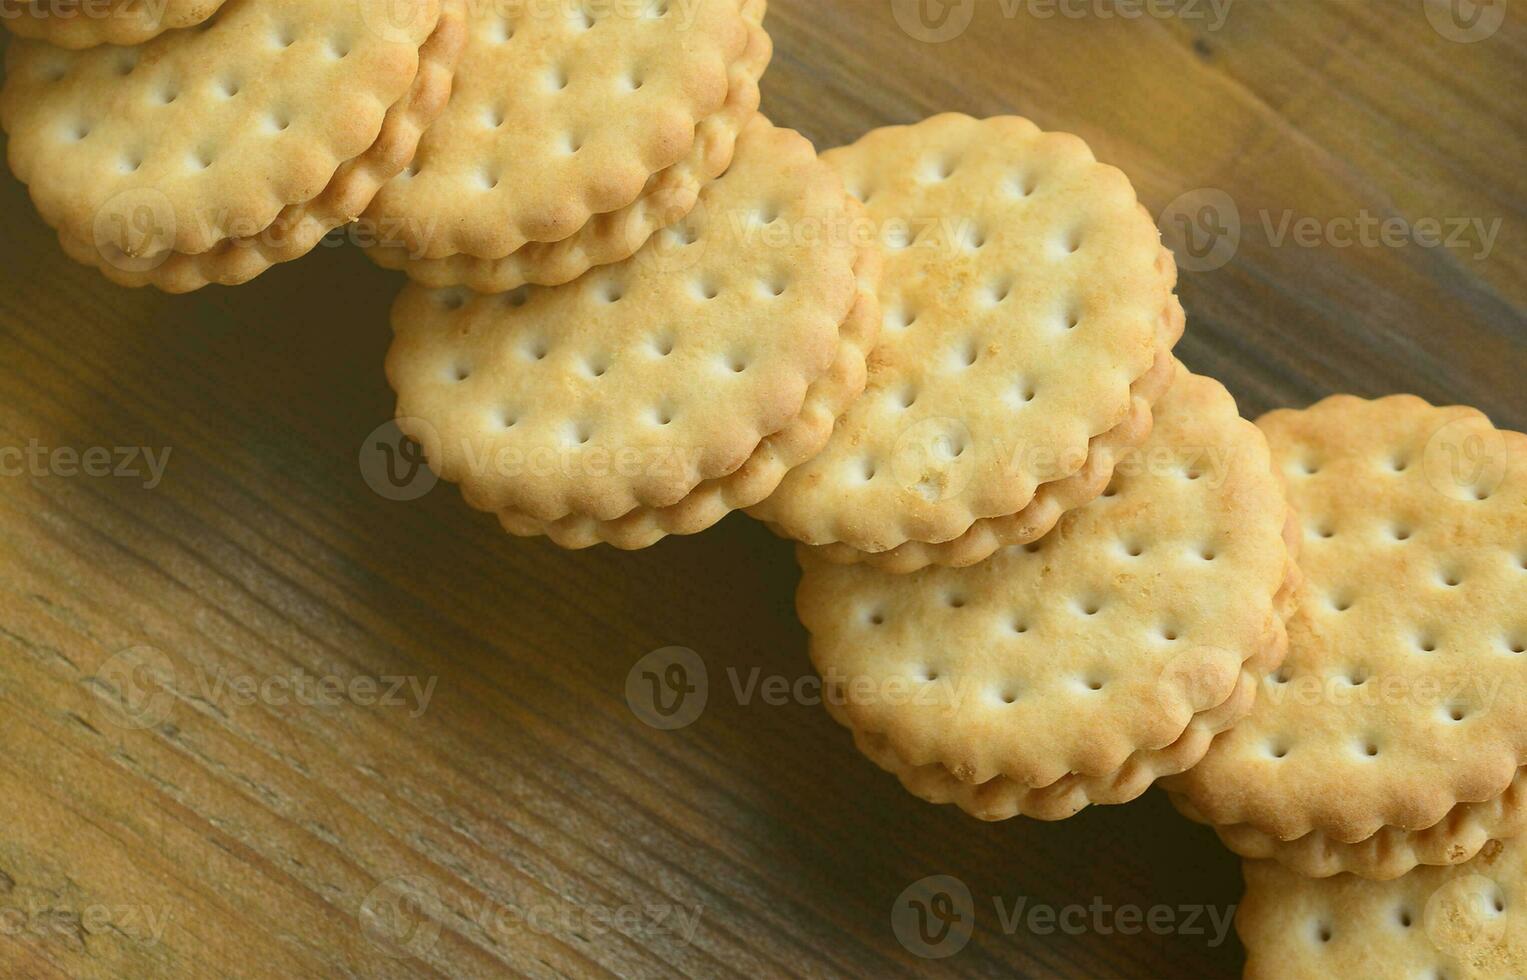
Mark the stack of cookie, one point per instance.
(161, 170)
(575, 133)
(1396, 732)
(657, 395)
(1462, 921)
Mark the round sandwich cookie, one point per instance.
(656, 395)
(614, 235)
(79, 24)
(564, 112)
(158, 171)
(1029, 321)
(301, 227)
(1079, 668)
(1463, 922)
(1394, 734)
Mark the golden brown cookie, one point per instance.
(301, 227)
(77, 24)
(141, 154)
(562, 111)
(1079, 668)
(614, 235)
(1027, 298)
(826, 399)
(654, 395)
(1394, 733)
(1460, 923)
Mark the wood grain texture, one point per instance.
(531, 823)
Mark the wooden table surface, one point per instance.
(205, 770)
